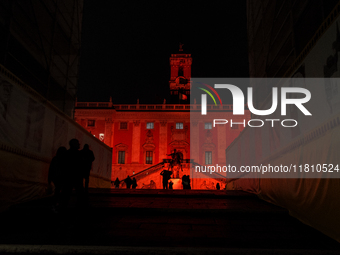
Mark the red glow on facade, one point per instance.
(142, 135)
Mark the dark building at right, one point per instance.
(295, 39)
(281, 33)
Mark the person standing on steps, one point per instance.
(128, 182)
(166, 177)
(134, 183)
(171, 184)
(87, 159)
(116, 183)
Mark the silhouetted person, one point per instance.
(188, 180)
(134, 183)
(218, 186)
(73, 177)
(55, 172)
(87, 159)
(128, 182)
(116, 183)
(185, 182)
(171, 185)
(166, 177)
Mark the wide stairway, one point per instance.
(121, 221)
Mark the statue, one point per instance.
(176, 158)
(149, 137)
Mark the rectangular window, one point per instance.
(208, 125)
(123, 125)
(149, 125)
(148, 159)
(208, 157)
(179, 125)
(91, 123)
(121, 157)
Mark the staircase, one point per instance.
(150, 170)
(188, 168)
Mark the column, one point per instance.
(135, 142)
(163, 139)
(194, 141)
(108, 133)
(221, 144)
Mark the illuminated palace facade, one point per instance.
(141, 135)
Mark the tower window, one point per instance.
(148, 159)
(208, 157)
(121, 157)
(179, 125)
(180, 71)
(149, 125)
(208, 125)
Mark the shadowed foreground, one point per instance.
(160, 222)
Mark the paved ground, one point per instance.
(160, 222)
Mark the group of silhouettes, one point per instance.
(166, 183)
(169, 185)
(68, 170)
(128, 182)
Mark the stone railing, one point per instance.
(93, 104)
(150, 107)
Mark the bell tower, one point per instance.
(180, 75)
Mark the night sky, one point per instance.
(126, 46)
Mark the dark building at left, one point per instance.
(40, 45)
(39, 63)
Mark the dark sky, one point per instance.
(126, 46)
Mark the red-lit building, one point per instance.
(142, 135)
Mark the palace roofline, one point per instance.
(150, 107)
